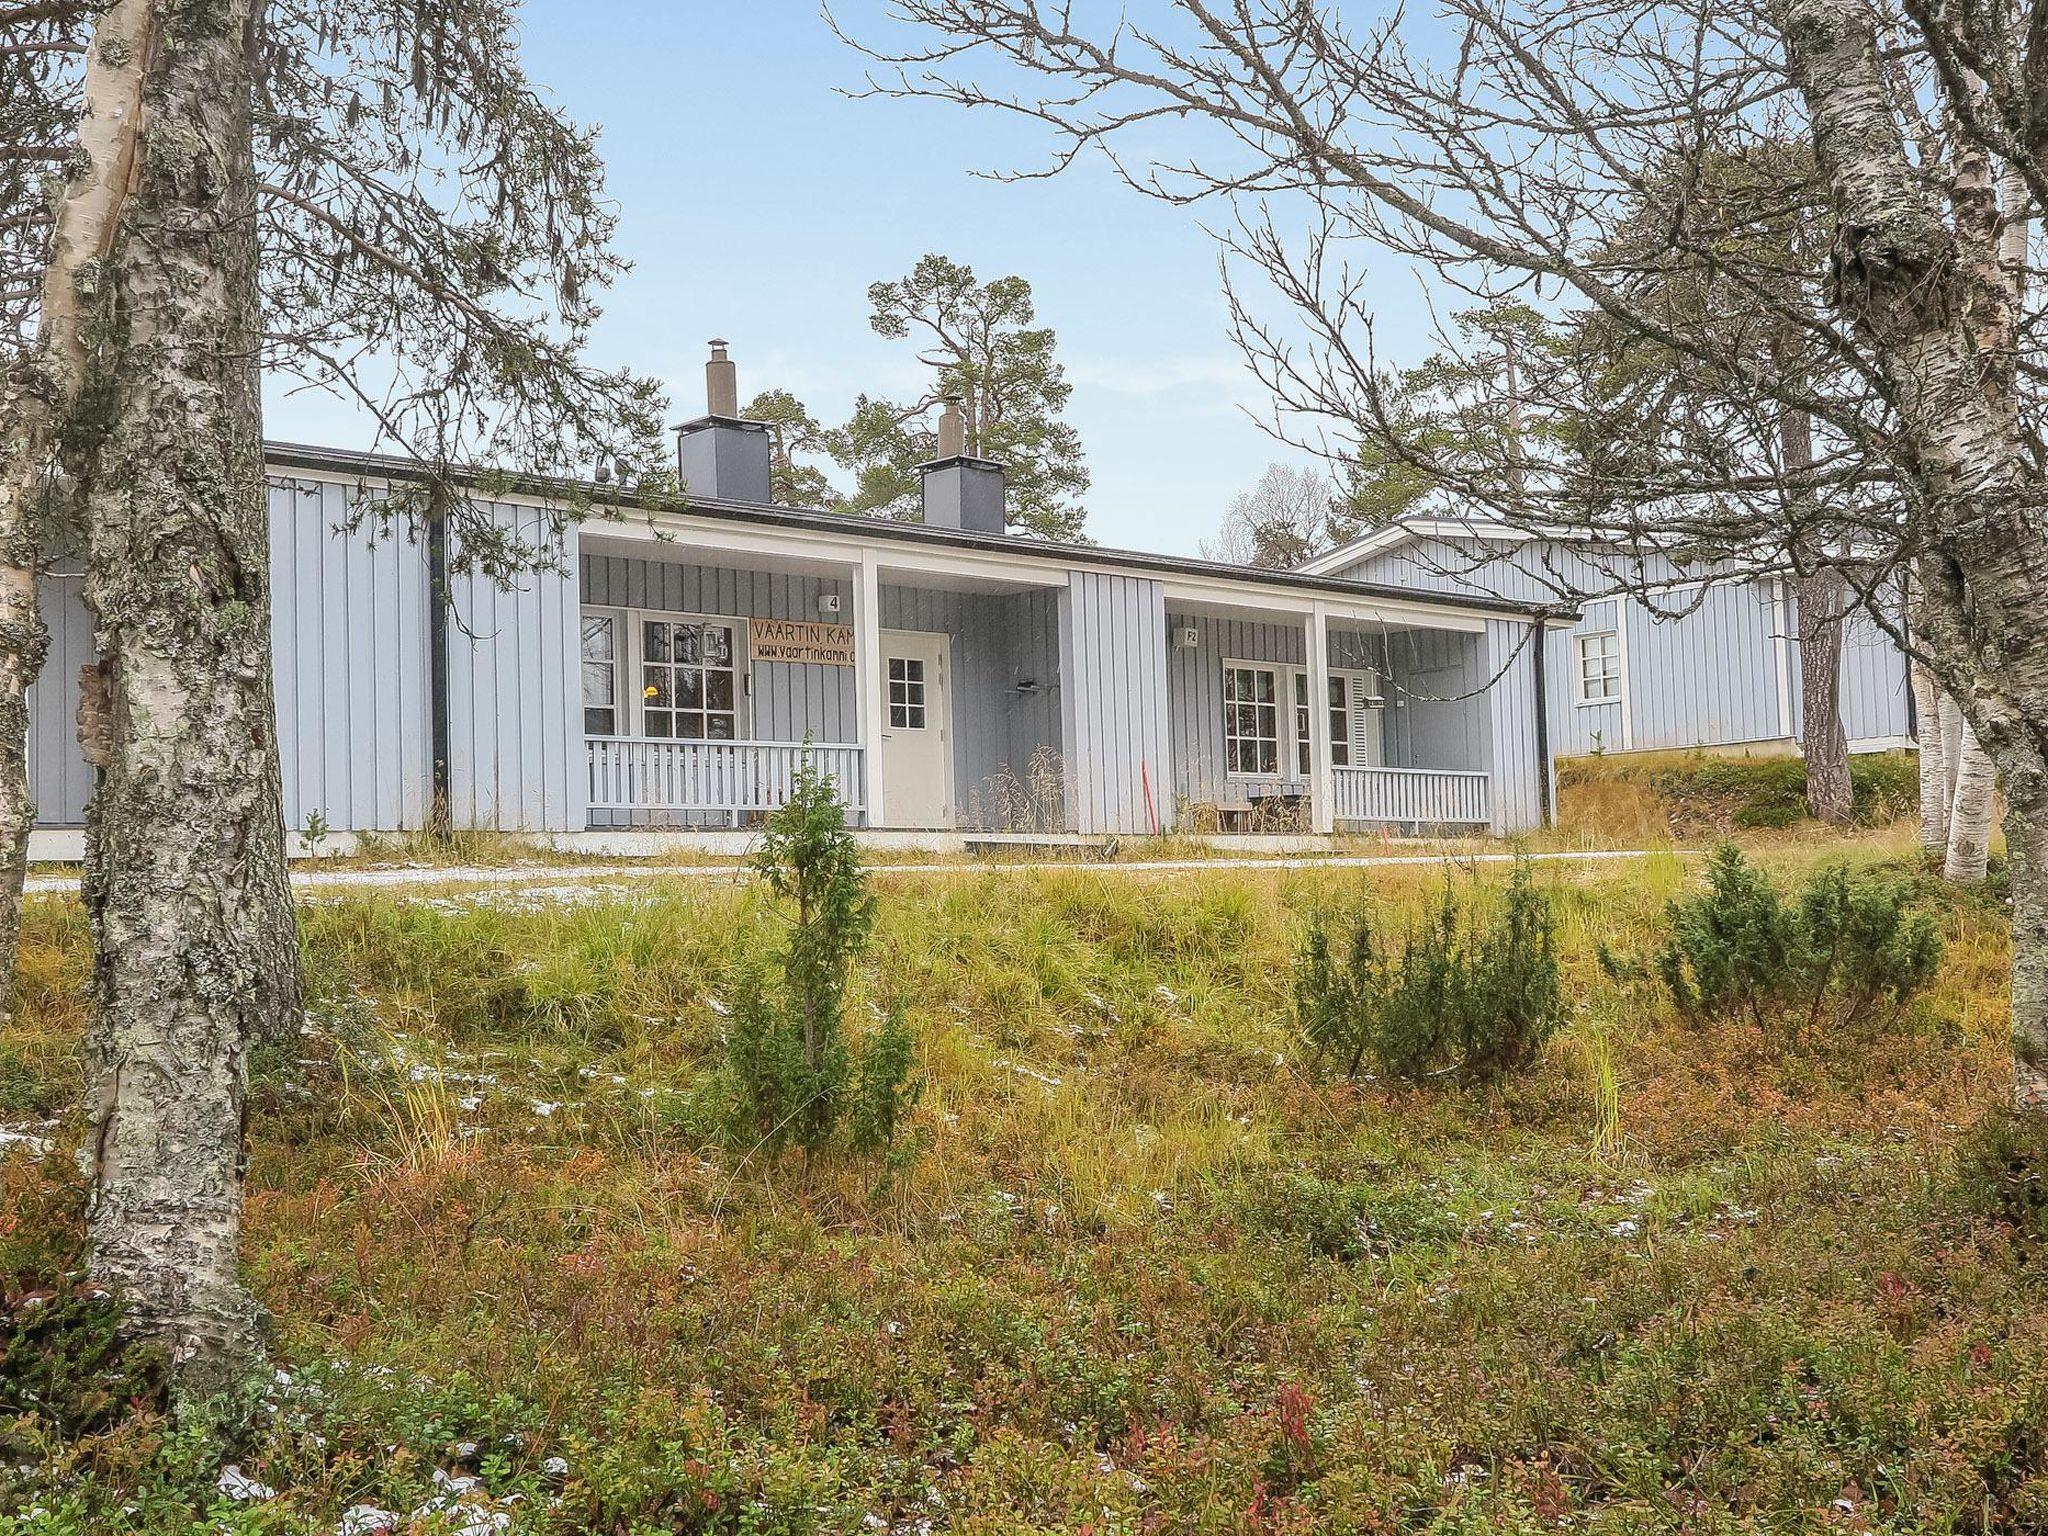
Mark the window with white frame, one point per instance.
(906, 693)
(1340, 711)
(1251, 721)
(1599, 667)
(600, 674)
(689, 687)
(1303, 758)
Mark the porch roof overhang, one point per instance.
(794, 535)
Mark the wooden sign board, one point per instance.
(827, 645)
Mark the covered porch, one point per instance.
(1315, 716)
(926, 690)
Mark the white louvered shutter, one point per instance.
(1365, 724)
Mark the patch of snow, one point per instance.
(366, 1520)
(241, 1487)
(35, 1147)
(1033, 1073)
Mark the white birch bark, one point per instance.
(194, 949)
(1951, 755)
(35, 399)
(1969, 823)
(1935, 795)
(1942, 336)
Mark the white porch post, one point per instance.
(1322, 789)
(867, 679)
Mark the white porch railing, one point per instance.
(1431, 796)
(730, 778)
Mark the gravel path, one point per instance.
(543, 876)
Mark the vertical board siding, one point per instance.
(516, 753)
(349, 654)
(784, 700)
(1115, 715)
(1004, 693)
(60, 780)
(1194, 696)
(1515, 759)
(1707, 677)
(1876, 687)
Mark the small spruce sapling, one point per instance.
(1832, 954)
(1474, 999)
(796, 1077)
(1513, 1005)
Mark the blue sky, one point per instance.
(757, 204)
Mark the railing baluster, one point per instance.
(1418, 796)
(710, 777)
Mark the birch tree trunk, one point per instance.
(1823, 597)
(37, 397)
(1951, 757)
(195, 949)
(2026, 850)
(1940, 328)
(1969, 820)
(1935, 799)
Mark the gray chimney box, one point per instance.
(964, 493)
(725, 458)
(722, 455)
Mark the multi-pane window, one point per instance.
(1340, 722)
(600, 675)
(1251, 720)
(906, 693)
(1599, 666)
(687, 684)
(1304, 758)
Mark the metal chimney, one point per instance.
(721, 384)
(952, 430)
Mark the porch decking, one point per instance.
(733, 781)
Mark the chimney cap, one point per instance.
(719, 343)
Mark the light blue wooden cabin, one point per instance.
(1712, 664)
(664, 678)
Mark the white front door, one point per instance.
(917, 749)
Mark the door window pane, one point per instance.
(1304, 759)
(906, 693)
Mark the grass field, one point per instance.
(1138, 1271)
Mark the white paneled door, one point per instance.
(917, 749)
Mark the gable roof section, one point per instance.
(1406, 531)
(1305, 581)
